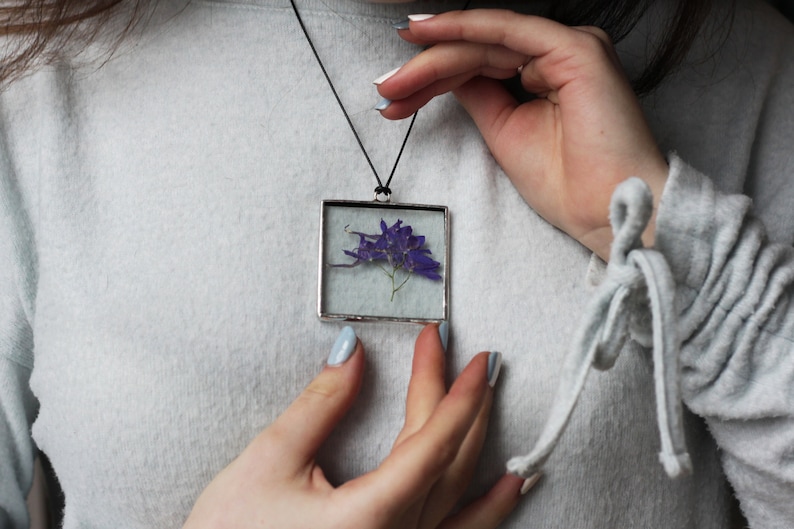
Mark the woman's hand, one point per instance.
(565, 151)
(275, 483)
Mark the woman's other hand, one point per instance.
(276, 483)
(564, 151)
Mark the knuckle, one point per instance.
(445, 453)
(593, 39)
(601, 35)
(462, 474)
(320, 390)
(271, 441)
(457, 480)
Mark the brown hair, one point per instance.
(36, 31)
(41, 29)
(618, 18)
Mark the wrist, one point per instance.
(599, 238)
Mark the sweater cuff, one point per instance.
(695, 226)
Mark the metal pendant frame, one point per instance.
(365, 291)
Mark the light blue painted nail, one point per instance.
(443, 333)
(402, 24)
(383, 104)
(343, 347)
(494, 366)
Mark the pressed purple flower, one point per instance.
(400, 247)
(418, 262)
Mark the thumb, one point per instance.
(309, 420)
(488, 103)
(511, 130)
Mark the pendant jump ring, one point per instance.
(382, 194)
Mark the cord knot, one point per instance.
(637, 300)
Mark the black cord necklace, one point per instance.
(408, 243)
(381, 189)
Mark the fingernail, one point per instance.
(443, 333)
(385, 76)
(402, 24)
(530, 482)
(494, 366)
(419, 18)
(383, 104)
(343, 347)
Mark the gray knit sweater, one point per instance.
(159, 215)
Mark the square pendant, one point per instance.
(383, 262)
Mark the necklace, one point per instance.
(374, 264)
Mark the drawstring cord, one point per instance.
(638, 293)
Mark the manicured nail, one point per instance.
(494, 366)
(343, 347)
(443, 333)
(419, 18)
(385, 76)
(383, 104)
(530, 482)
(402, 24)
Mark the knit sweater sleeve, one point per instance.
(735, 300)
(18, 406)
(16, 447)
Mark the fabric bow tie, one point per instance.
(636, 299)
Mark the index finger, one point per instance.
(415, 465)
(531, 36)
(528, 34)
(426, 388)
